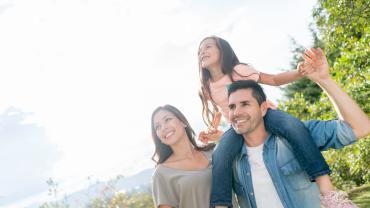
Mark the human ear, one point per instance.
(263, 108)
(184, 125)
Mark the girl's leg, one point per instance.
(298, 136)
(222, 160)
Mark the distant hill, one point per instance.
(78, 199)
(140, 179)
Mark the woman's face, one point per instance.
(169, 129)
(209, 54)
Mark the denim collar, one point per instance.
(267, 144)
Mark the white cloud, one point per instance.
(26, 156)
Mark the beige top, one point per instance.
(182, 188)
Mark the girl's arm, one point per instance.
(280, 79)
(164, 206)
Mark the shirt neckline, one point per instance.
(182, 170)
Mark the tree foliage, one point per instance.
(108, 197)
(343, 27)
(309, 90)
(124, 200)
(53, 191)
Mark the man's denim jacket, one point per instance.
(292, 184)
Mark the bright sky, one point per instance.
(80, 79)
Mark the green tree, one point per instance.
(309, 90)
(109, 197)
(139, 199)
(344, 30)
(135, 200)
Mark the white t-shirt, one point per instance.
(264, 189)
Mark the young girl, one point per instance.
(218, 67)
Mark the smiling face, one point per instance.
(245, 114)
(209, 53)
(169, 129)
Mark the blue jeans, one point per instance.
(277, 122)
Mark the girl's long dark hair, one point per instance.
(163, 151)
(228, 61)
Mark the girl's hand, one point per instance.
(210, 136)
(305, 68)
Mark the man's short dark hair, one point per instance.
(257, 91)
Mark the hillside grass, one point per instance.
(361, 196)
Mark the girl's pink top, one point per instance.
(219, 90)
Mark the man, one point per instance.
(266, 173)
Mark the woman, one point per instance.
(182, 176)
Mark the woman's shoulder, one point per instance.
(165, 170)
(160, 169)
(160, 172)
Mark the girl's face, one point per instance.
(169, 129)
(209, 54)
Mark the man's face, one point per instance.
(244, 111)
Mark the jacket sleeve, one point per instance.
(330, 134)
